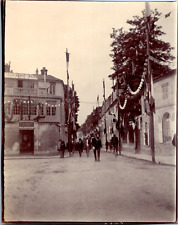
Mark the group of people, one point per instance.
(114, 145)
(86, 144)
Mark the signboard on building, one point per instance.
(26, 125)
(20, 76)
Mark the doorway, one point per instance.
(27, 141)
(166, 127)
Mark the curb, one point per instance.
(147, 160)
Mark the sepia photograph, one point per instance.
(89, 112)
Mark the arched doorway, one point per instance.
(166, 127)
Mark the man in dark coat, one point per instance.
(93, 140)
(115, 144)
(98, 147)
(61, 148)
(80, 147)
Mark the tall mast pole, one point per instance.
(148, 15)
(68, 105)
(105, 114)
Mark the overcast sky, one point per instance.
(38, 33)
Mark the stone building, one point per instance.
(34, 115)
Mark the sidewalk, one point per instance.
(163, 154)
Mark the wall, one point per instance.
(163, 106)
(11, 138)
(46, 136)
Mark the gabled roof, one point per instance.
(48, 78)
(173, 72)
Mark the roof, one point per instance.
(49, 78)
(27, 76)
(173, 72)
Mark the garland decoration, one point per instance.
(138, 89)
(125, 103)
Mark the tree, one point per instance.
(91, 122)
(129, 51)
(72, 103)
(130, 56)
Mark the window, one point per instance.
(16, 109)
(165, 90)
(24, 108)
(41, 108)
(20, 83)
(52, 88)
(53, 110)
(33, 108)
(48, 110)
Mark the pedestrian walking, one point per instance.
(107, 146)
(93, 140)
(61, 148)
(87, 147)
(98, 147)
(80, 147)
(115, 144)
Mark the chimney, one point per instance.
(7, 67)
(44, 71)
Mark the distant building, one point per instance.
(34, 111)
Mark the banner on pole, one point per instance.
(67, 55)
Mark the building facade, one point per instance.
(34, 112)
(136, 124)
(165, 91)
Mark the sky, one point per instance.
(37, 34)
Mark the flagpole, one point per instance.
(105, 114)
(68, 116)
(150, 87)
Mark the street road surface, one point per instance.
(74, 189)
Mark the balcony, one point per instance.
(21, 91)
(40, 92)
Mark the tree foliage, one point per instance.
(129, 49)
(91, 122)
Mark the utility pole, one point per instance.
(106, 143)
(148, 15)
